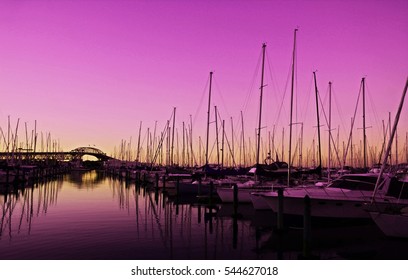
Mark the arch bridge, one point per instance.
(75, 154)
(78, 153)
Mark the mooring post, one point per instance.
(156, 191)
(235, 216)
(279, 244)
(17, 178)
(211, 193)
(157, 181)
(127, 180)
(156, 196)
(177, 194)
(280, 209)
(210, 220)
(177, 187)
(235, 200)
(163, 201)
(234, 232)
(164, 183)
(199, 186)
(127, 175)
(199, 214)
(307, 228)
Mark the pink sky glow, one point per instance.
(90, 71)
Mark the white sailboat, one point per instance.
(274, 170)
(226, 194)
(393, 221)
(345, 197)
(392, 224)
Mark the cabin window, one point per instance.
(398, 189)
(362, 183)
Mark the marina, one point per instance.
(55, 205)
(158, 138)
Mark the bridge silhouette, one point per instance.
(75, 154)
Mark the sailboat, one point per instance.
(392, 218)
(392, 224)
(208, 170)
(343, 198)
(259, 170)
(278, 169)
(317, 170)
(348, 196)
(269, 169)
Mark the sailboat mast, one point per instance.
(35, 137)
(301, 147)
(208, 120)
(329, 155)
(406, 146)
(147, 146)
(351, 146)
(222, 143)
(191, 142)
(216, 136)
(394, 129)
(273, 142)
(199, 150)
(232, 141)
(364, 128)
(389, 130)
(283, 144)
(318, 123)
(260, 105)
(243, 141)
(172, 136)
(291, 104)
(396, 147)
(183, 150)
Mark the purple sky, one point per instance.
(90, 71)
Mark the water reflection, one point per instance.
(183, 230)
(86, 179)
(91, 216)
(20, 206)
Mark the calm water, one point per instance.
(90, 216)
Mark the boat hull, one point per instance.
(244, 193)
(259, 202)
(392, 225)
(324, 207)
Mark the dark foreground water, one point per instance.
(91, 216)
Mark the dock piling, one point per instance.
(211, 193)
(164, 183)
(157, 181)
(280, 209)
(307, 228)
(235, 213)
